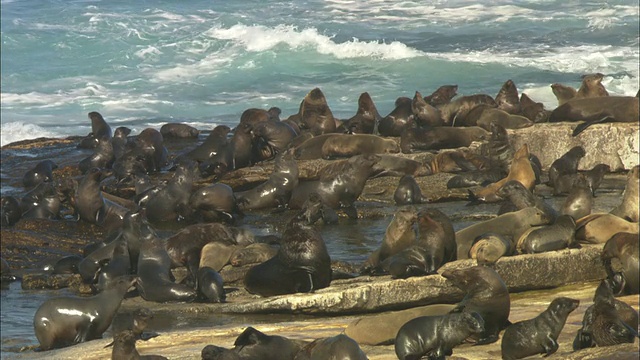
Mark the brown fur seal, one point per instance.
(92, 207)
(64, 321)
(566, 164)
(502, 118)
(42, 172)
(124, 347)
(434, 337)
(628, 208)
(271, 138)
(438, 138)
(591, 87)
(507, 98)
(253, 254)
(210, 286)
(408, 192)
(302, 264)
(597, 110)
(178, 131)
(557, 236)
(598, 228)
(366, 119)
(398, 236)
(336, 347)
(487, 295)
(102, 157)
(340, 145)
(423, 113)
(457, 161)
(99, 130)
(119, 141)
(398, 119)
(580, 200)
(520, 171)
(315, 114)
(171, 203)
(489, 247)
(253, 344)
(442, 95)
(253, 116)
(563, 93)
(540, 334)
(10, 211)
(311, 148)
(214, 203)
(624, 248)
(532, 110)
(520, 198)
(216, 140)
(455, 112)
(511, 224)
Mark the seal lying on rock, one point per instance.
(336, 347)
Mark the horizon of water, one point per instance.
(143, 64)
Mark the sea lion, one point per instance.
(540, 334)
(597, 110)
(343, 145)
(336, 347)
(502, 118)
(408, 192)
(271, 138)
(302, 264)
(455, 112)
(119, 265)
(102, 157)
(424, 114)
(520, 171)
(276, 191)
(566, 164)
(556, 236)
(602, 325)
(624, 248)
(64, 321)
(178, 131)
(628, 208)
(211, 285)
(507, 98)
(124, 347)
(511, 224)
(253, 344)
(315, 114)
(487, 295)
(10, 211)
(216, 255)
(436, 336)
(213, 203)
(442, 95)
(397, 120)
(520, 197)
(580, 200)
(171, 203)
(563, 93)
(438, 138)
(599, 227)
(489, 247)
(532, 110)
(252, 254)
(591, 87)
(92, 207)
(99, 130)
(42, 172)
(366, 119)
(216, 140)
(155, 280)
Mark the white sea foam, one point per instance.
(16, 131)
(259, 38)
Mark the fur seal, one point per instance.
(216, 140)
(214, 203)
(489, 247)
(507, 98)
(580, 200)
(67, 265)
(521, 198)
(253, 254)
(210, 285)
(556, 236)
(591, 87)
(408, 192)
(442, 95)
(315, 114)
(311, 148)
(64, 321)
(436, 336)
(178, 131)
(397, 120)
(424, 114)
(171, 203)
(276, 191)
(271, 138)
(119, 265)
(540, 334)
(624, 248)
(366, 119)
(302, 264)
(336, 347)
(597, 110)
(475, 178)
(342, 145)
(532, 110)
(10, 211)
(563, 93)
(119, 141)
(42, 172)
(506, 120)
(398, 236)
(455, 112)
(124, 347)
(102, 157)
(99, 130)
(254, 116)
(566, 164)
(599, 227)
(92, 207)
(253, 344)
(438, 138)
(511, 224)
(628, 208)
(602, 325)
(487, 295)
(315, 209)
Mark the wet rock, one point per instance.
(50, 282)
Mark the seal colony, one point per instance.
(416, 243)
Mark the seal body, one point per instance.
(567, 164)
(178, 131)
(623, 248)
(394, 123)
(315, 114)
(10, 211)
(436, 336)
(442, 95)
(437, 138)
(253, 344)
(580, 200)
(211, 285)
(342, 145)
(366, 119)
(408, 191)
(212, 203)
(42, 172)
(559, 235)
(489, 247)
(597, 110)
(425, 114)
(628, 208)
(540, 334)
(336, 347)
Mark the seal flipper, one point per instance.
(550, 346)
(581, 127)
(583, 340)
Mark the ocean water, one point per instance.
(144, 63)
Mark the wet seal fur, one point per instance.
(42, 172)
(336, 347)
(597, 110)
(624, 248)
(629, 207)
(408, 192)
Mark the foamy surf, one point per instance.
(17, 131)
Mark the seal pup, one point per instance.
(315, 209)
(487, 295)
(366, 119)
(602, 325)
(489, 247)
(138, 325)
(315, 114)
(567, 164)
(64, 321)
(10, 211)
(124, 348)
(540, 334)
(99, 130)
(507, 98)
(119, 265)
(563, 93)
(102, 157)
(213, 352)
(398, 119)
(436, 336)
(253, 254)
(336, 347)
(502, 118)
(5, 274)
(580, 200)
(597, 110)
(91, 205)
(254, 344)
(442, 95)
(178, 131)
(42, 172)
(42, 202)
(408, 192)
(628, 208)
(424, 114)
(623, 247)
(302, 263)
(591, 87)
(211, 285)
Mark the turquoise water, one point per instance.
(142, 64)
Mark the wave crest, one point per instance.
(16, 131)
